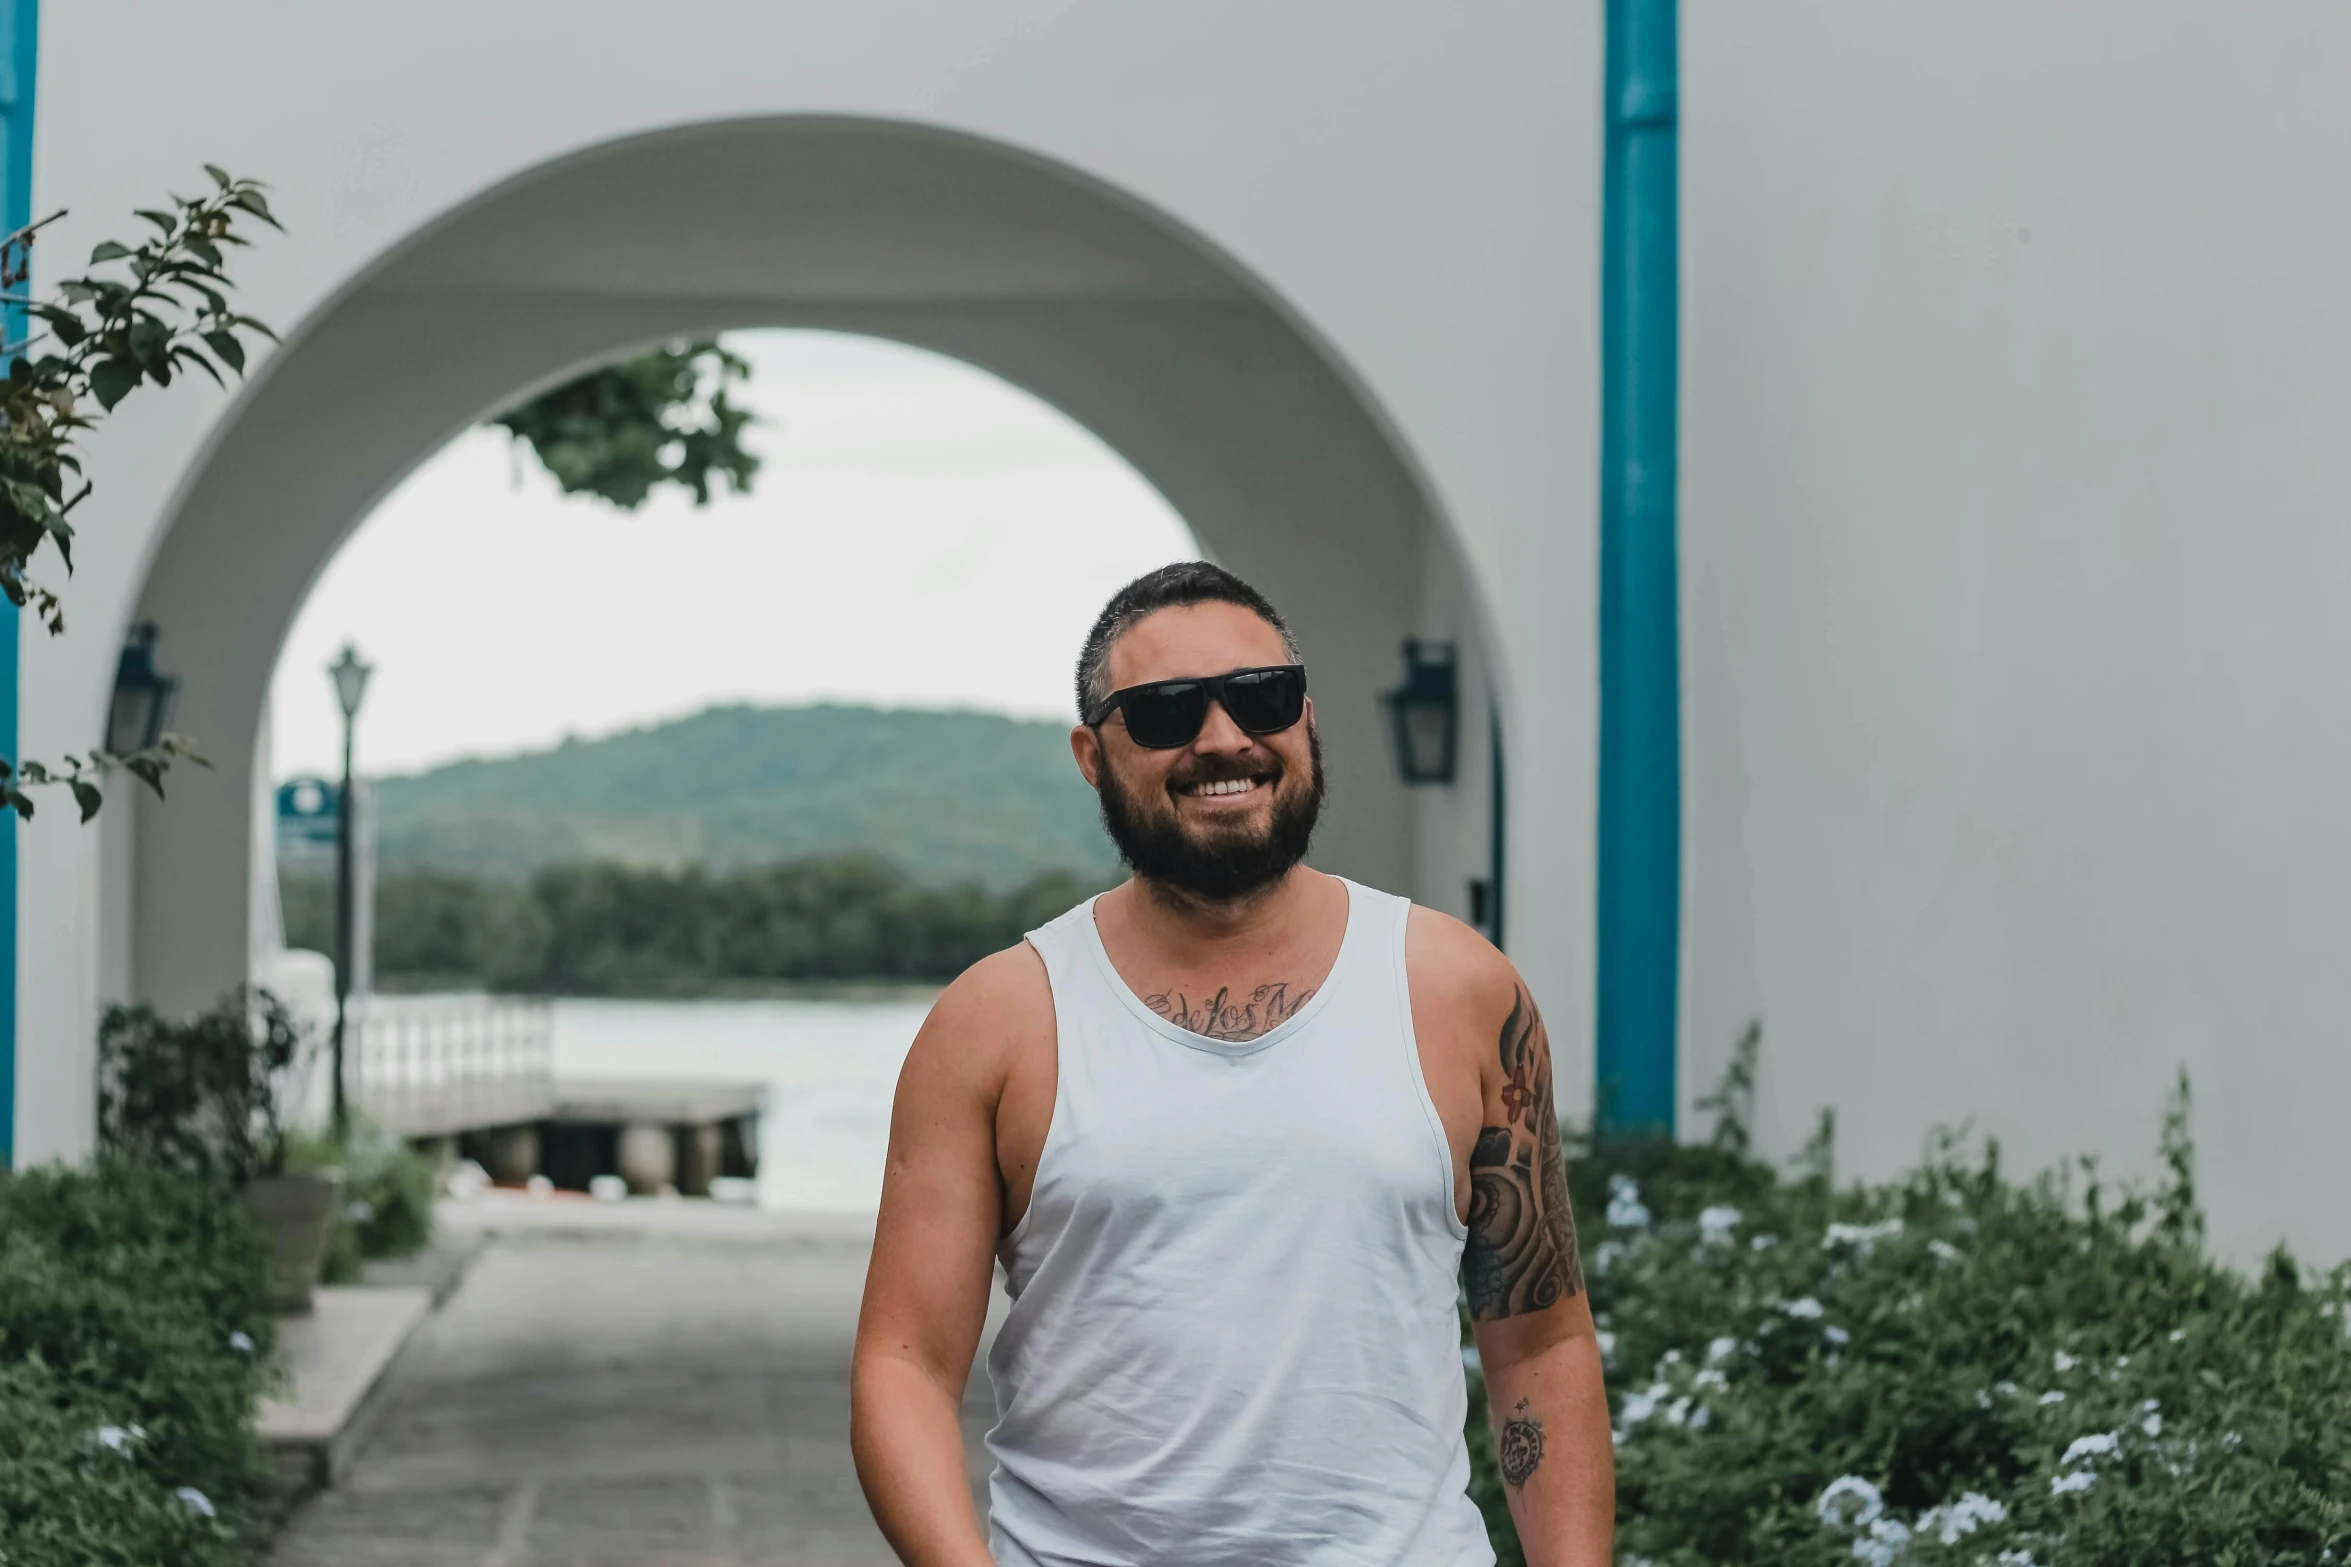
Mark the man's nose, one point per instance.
(1219, 735)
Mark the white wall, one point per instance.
(1415, 188)
(2017, 371)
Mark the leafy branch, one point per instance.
(142, 314)
(661, 418)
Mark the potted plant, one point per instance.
(207, 1097)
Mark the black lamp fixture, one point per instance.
(1425, 713)
(350, 677)
(143, 696)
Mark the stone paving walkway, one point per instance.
(625, 1393)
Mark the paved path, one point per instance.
(623, 1387)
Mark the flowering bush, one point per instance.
(134, 1339)
(1952, 1367)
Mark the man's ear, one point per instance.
(1086, 746)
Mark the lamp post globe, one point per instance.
(349, 673)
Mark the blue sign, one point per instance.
(308, 811)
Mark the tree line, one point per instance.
(601, 929)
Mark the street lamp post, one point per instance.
(350, 677)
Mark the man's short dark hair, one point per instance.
(1185, 582)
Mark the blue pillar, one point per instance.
(19, 34)
(1639, 934)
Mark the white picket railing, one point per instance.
(430, 1066)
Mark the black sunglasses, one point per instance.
(1168, 713)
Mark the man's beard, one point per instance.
(1214, 867)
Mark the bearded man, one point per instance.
(1241, 1134)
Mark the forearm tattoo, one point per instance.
(1222, 1016)
(1521, 1253)
(1518, 1446)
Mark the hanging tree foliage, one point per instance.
(663, 417)
(141, 315)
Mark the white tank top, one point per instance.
(1232, 1340)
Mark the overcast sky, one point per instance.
(922, 535)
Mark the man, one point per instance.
(1241, 1134)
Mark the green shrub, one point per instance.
(1952, 1367)
(200, 1097)
(387, 1196)
(135, 1332)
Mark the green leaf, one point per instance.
(231, 352)
(189, 356)
(150, 341)
(219, 175)
(111, 381)
(147, 770)
(162, 220)
(107, 250)
(86, 795)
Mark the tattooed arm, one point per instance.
(1520, 1270)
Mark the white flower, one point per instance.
(1944, 1251)
(241, 1341)
(2177, 1334)
(1763, 1242)
(2078, 1480)
(2016, 1559)
(195, 1501)
(1702, 1419)
(1720, 1349)
(1472, 1359)
(1863, 1238)
(1954, 1519)
(1640, 1406)
(1678, 1412)
(2052, 1397)
(1604, 1257)
(1607, 1343)
(1807, 1308)
(1625, 1211)
(1710, 1379)
(1887, 1540)
(2085, 1448)
(1850, 1502)
(1716, 1223)
(359, 1211)
(114, 1438)
(2064, 1361)
(1836, 1335)
(2007, 1389)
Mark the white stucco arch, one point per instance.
(939, 240)
(1358, 262)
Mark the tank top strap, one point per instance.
(1063, 942)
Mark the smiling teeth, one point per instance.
(1226, 786)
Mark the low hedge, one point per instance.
(1952, 1367)
(135, 1332)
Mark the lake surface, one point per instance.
(830, 1068)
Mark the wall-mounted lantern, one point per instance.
(143, 696)
(1425, 713)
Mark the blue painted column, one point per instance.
(19, 37)
(1639, 931)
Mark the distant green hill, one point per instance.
(948, 796)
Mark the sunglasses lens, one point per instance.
(1164, 716)
(1265, 701)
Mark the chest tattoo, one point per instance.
(1226, 1016)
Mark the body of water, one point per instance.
(830, 1068)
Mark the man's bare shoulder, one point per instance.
(1458, 977)
(981, 1025)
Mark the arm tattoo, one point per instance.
(1222, 1017)
(1521, 1255)
(1518, 1446)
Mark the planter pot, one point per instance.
(299, 1212)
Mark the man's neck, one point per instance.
(1188, 928)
